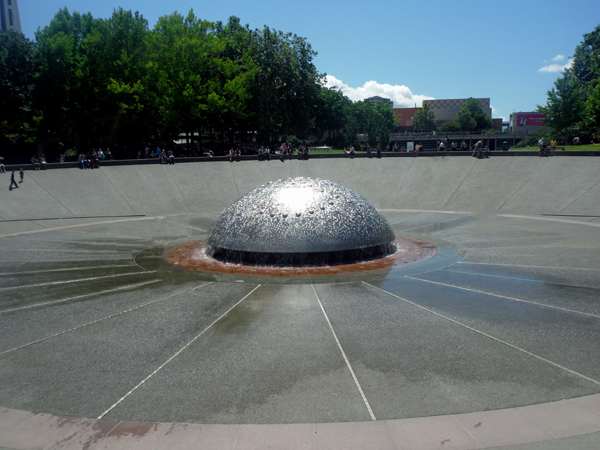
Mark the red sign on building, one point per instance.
(528, 120)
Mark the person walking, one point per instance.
(22, 173)
(13, 181)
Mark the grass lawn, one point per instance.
(568, 148)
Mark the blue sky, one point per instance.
(509, 51)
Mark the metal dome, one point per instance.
(300, 221)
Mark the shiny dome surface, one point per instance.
(300, 216)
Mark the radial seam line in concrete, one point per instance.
(356, 382)
(541, 424)
(50, 194)
(187, 227)
(93, 322)
(56, 283)
(505, 297)
(524, 183)
(103, 172)
(425, 211)
(528, 280)
(108, 291)
(467, 431)
(65, 269)
(174, 355)
(178, 188)
(412, 160)
(574, 200)
(548, 219)
(234, 181)
(489, 336)
(80, 225)
(429, 225)
(526, 265)
(460, 184)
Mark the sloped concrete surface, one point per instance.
(492, 343)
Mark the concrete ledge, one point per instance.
(360, 155)
(513, 426)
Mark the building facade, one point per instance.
(404, 118)
(377, 99)
(9, 15)
(527, 122)
(446, 109)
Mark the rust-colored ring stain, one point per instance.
(191, 256)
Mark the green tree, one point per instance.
(385, 121)
(586, 59)
(199, 88)
(16, 79)
(472, 117)
(424, 119)
(564, 105)
(592, 109)
(572, 105)
(58, 97)
(449, 127)
(331, 112)
(286, 86)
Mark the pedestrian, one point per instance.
(541, 147)
(12, 181)
(477, 149)
(553, 145)
(22, 173)
(2, 168)
(231, 154)
(378, 151)
(282, 152)
(35, 163)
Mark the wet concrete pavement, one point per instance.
(502, 320)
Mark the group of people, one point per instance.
(543, 147)
(93, 158)
(13, 182)
(480, 151)
(164, 156)
(285, 151)
(39, 164)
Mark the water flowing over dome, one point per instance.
(300, 222)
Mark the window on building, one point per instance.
(9, 2)
(10, 19)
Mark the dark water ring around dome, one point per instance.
(300, 222)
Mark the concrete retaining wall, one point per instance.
(527, 184)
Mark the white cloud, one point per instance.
(402, 96)
(556, 59)
(556, 67)
(495, 114)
